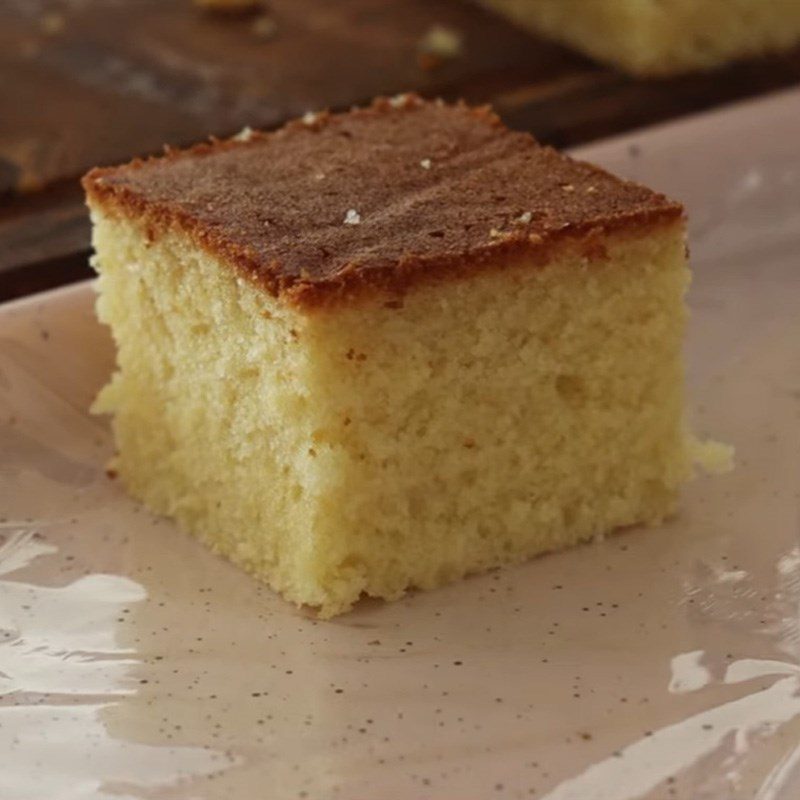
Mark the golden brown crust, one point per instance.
(377, 199)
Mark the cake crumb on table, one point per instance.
(440, 43)
(264, 27)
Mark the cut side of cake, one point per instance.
(388, 348)
(662, 37)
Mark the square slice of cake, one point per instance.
(662, 37)
(388, 348)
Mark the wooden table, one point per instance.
(101, 81)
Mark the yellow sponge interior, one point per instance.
(369, 449)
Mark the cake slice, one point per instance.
(388, 348)
(662, 37)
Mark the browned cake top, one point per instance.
(379, 197)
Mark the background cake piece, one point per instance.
(388, 348)
(662, 37)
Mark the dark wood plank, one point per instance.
(581, 107)
(43, 226)
(103, 81)
(22, 281)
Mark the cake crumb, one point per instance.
(567, 187)
(403, 100)
(244, 135)
(264, 27)
(53, 23)
(525, 218)
(310, 118)
(425, 163)
(352, 217)
(714, 458)
(441, 41)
